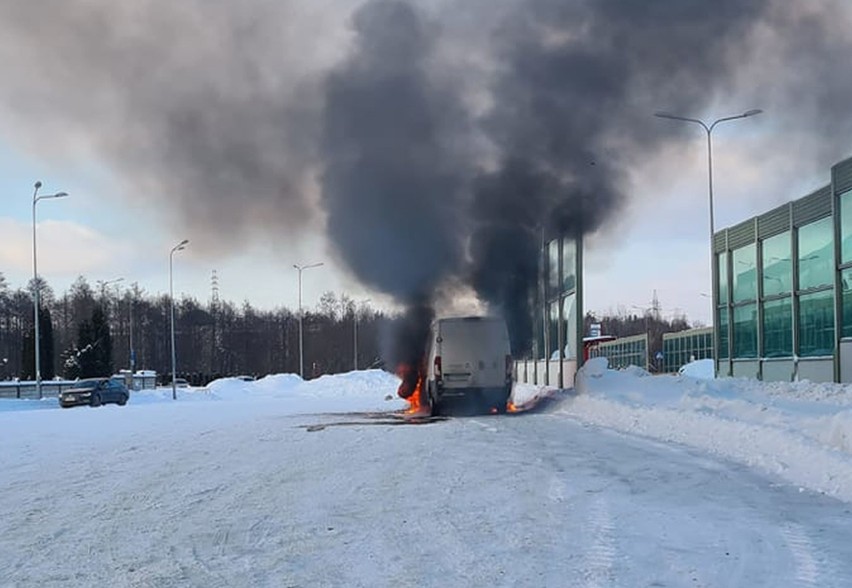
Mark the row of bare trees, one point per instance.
(213, 339)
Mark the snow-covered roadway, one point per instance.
(242, 493)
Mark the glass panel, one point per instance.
(553, 268)
(845, 226)
(815, 254)
(722, 323)
(745, 273)
(778, 328)
(777, 265)
(722, 269)
(846, 301)
(539, 351)
(569, 262)
(569, 328)
(553, 334)
(745, 331)
(816, 324)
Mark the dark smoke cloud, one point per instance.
(394, 162)
(569, 79)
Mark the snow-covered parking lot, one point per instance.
(630, 480)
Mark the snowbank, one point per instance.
(799, 431)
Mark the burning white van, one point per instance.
(469, 359)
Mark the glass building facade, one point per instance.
(685, 346)
(557, 314)
(783, 288)
(624, 352)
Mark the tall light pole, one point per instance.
(301, 268)
(355, 334)
(130, 313)
(37, 342)
(179, 247)
(709, 130)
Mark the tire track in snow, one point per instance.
(600, 557)
(807, 569)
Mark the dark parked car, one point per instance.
(95, 392)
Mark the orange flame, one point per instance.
(414, 401)
(411, 387)
(510, 407)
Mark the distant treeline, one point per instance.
(89, 329)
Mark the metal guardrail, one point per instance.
(53, 388)
(28, 390)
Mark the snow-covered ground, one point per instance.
(801, 431)
(630, 480)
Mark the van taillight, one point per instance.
(509, 367)
(438, 373)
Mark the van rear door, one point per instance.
(473, 352)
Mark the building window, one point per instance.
(553, 268)
(745, 331)
(845, 201)
(722, 326)
(539, 347)
(569, 264)
(778, 328)
(846, 301)
(569, 328)
(553, 334)
(722, 271)
(816, 267)
(745, 273)
(816, 324)
(777, 265)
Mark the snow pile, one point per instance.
(800, 431)
(703, 368)
(367, 390)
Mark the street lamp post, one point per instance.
(709, 130)
(179, 247)
(130, 316)
(37, 341)
(301, 339)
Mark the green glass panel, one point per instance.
(816, 324)
(569, 264)
(778, 328)
(846, 301)
(553, 335)
(744, 268)
(569, 326)
(846, 226)
(722, 326)
(722, 270)
(553, 268)
(777, 265)
(816, 266)
(745, 331)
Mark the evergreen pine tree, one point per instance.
(102, 343)
(28, 355)
(48, 370)
(85, 357)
